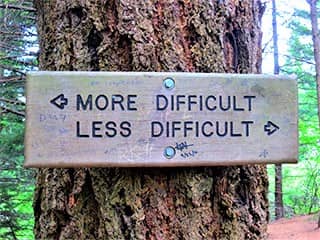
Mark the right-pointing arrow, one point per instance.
(270, 128)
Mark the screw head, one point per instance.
(169, 152)
(168, 83)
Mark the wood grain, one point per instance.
(111, 119)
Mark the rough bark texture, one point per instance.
(151, 203)
(279, 209)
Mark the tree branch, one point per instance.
(299, 59)
(16, 56)
(26, 63)
(17, 7)
(15, 102)
(29, 34)
(12, 69)
(6, 47)
(11, 79)
(266, 45)
(21, 114)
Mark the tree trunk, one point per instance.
(279, 211)
(151, 203)
(316, 52)
(316, 45)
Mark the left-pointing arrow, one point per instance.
(59, 101)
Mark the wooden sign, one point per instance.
(102, 119)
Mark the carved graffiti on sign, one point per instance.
(159, 119)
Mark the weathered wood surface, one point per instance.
(220, 119)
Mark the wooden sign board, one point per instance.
(128, 119)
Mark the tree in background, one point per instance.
(302, 192)
(316, 52)
(316, 45)
(16, 184)
(151, 203)
(279, 210)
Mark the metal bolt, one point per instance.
(169, 152)
(168, 83)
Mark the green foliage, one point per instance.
(301, 182)
(16, 183)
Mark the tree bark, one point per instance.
(151, 203)
(279, 210)
(316, 52)
(316, 45)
